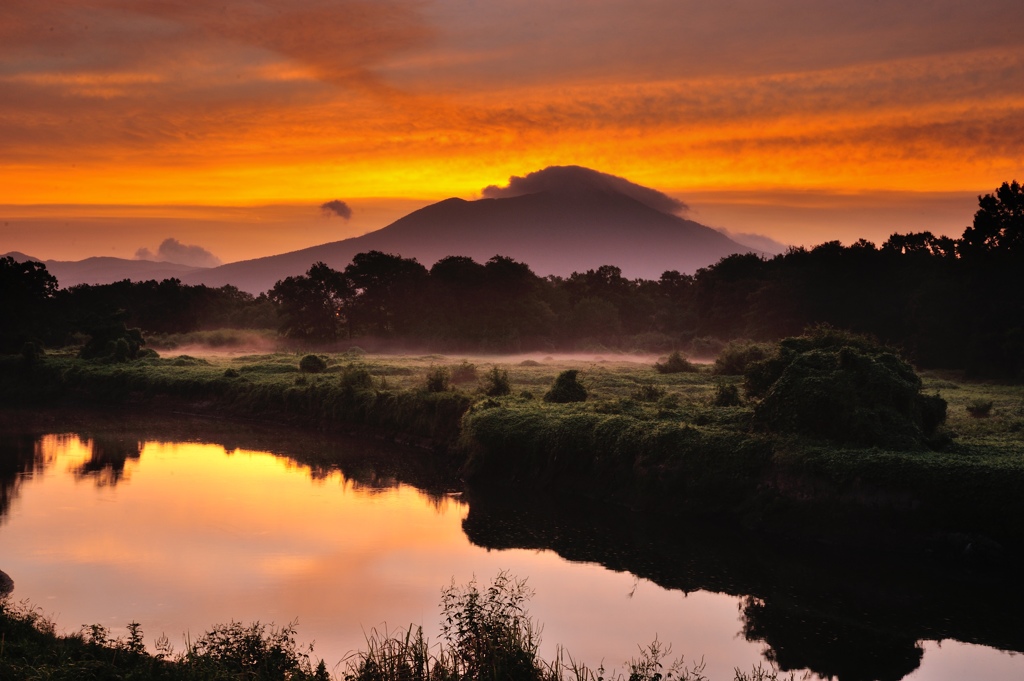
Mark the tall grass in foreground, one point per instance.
(486, 635)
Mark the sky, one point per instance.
(227, 126)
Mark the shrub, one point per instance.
(727, 395)
(979, 408)
(112, 339)
(231, 373)
(846, 388)
(737, 356)
(496, 383)
(566, 388)
(438, 379)
(313, 364)
(253, 651)
(675, 364)
(355, 377)
(648, 393)
(463, 373)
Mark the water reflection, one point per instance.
(19, 458)
(841, 616)
(107, 458)
(183, 521)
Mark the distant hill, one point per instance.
(106, 270)
(556, 231)
(558, 220)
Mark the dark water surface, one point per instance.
(180, 523)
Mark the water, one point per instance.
(180, 524)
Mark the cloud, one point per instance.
(336, 207)
(172, 250)
(565, 179)
(760, 242)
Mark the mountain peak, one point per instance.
(565, 180)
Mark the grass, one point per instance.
(670, 442)
(487, 634)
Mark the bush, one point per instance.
(845, 388)
(727, 395)
(979, 408)
(566, 388)
(112, 339)
(496, 383)
(675, 364)
(254, 652)
(648, 393)
(438, 379)
(737, 356)
(355, 377)
(463, 373)
(313, 364)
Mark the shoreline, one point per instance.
(683, 459)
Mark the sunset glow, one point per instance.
(256, 103)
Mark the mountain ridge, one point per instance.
(554, 233)
(558, 220)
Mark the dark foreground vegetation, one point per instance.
(946, 303)
(486, 635)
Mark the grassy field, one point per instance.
(645, 439)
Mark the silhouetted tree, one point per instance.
(25, 303)
(389, 290)
(998, 223)
(313, 305)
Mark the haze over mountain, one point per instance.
(558, 220)
(107, 270)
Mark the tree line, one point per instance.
(956, 303)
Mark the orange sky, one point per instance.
(233, 121)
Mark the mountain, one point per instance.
(558, 220)
(558, 230)
(106, 270)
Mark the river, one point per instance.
(180, 523)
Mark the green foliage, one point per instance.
(255, 651)
(845, 388)
(649, 393)
(497, 383)
(313, 364)
(438, 379)
(566, 388)
(610, 450)
(737, 356)
(489, 634)
(727, 395)
(111, 339)
(464, 372)
(675, 364)
(356, 377)
(980, 408)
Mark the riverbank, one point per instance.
(645, 440)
